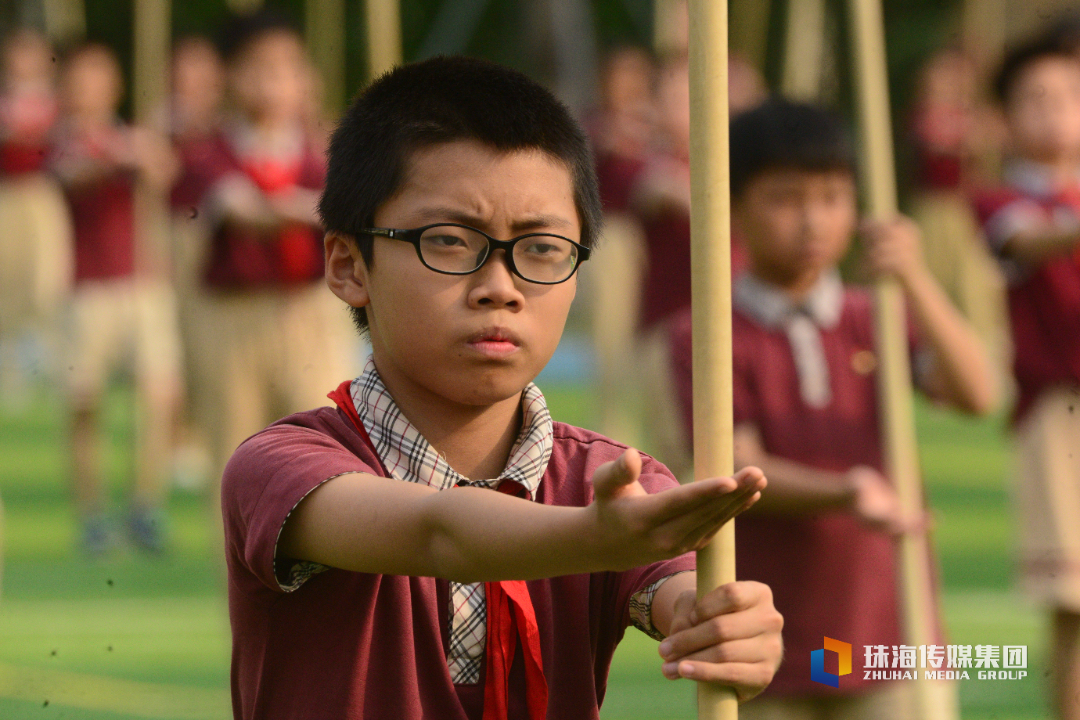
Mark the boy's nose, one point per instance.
(494, 284)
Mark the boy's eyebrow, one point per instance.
(456, 215)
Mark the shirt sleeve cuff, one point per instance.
(291, 573)
(641, 607)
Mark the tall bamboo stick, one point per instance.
(894, 370)
(804, 50)
(152, 26)
(383, 35)
(710, 233)
(324, 31)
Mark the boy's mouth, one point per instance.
(495, 342)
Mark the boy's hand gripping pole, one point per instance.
(710, 251)
(936, 700)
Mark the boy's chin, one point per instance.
(489, 387)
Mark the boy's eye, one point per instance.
(444, 241)
(547, 249)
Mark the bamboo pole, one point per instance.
(710, 233)
(894, 371)
(749, 29)
(383, 35)
(804, 50)
(324, 25)
(152, 25)
(65, 20)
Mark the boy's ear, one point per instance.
(346, 271)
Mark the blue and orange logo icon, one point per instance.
(817, 662)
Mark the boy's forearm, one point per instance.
(798, 488)
(382, 526)
(1041, 245)
(479, 535)
(964, 376)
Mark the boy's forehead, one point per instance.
(796, 175)
(1034, 75)
(468, 167)
(273, 42)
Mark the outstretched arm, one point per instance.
(364, 523)
(1040, 244)
(798, 489)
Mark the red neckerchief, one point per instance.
(299, 257)
(510, 617)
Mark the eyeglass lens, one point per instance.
(540, 258)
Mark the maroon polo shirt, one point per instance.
(242, 258)
(103, 223)
(349, 645)
(830, 574)
(1044, 300)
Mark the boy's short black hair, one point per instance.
(240, 31)
(440, 100)
(780, 134)
(1051, 45)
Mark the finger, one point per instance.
(611, 477)
(684, 605)
(731, 598)
(697, 528)
(696, 497)
(747, 679)
(709, 537)
(749, 650)
(721, 630)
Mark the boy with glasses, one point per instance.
(372, 570)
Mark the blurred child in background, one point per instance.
(953, 134)
(193, 119)
(269, 339)
(621, 133)
(121, 316)
(35, 235)
(661, 200)
(805, 401)
(1032, 223)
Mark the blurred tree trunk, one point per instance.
(561, 50)
(804, 50)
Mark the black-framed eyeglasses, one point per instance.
(455, 249)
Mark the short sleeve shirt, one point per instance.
(1044, 300)
(356, 645)
(241, 258)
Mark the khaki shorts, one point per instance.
(665, 435)
(258, 356)
(35, 251)
(1047, 492)
(894, 701)
(117, 325)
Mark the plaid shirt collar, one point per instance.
(408, 455)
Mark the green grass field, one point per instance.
(133, 637)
